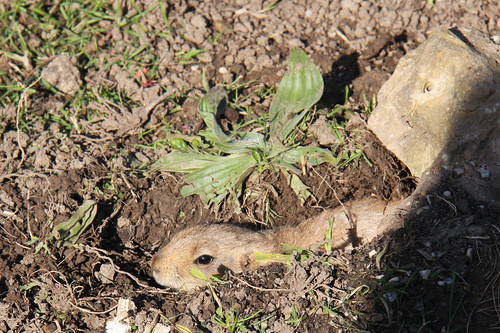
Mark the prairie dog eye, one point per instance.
(204, 259)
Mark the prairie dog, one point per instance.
(216, 248)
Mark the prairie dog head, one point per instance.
(212, 248)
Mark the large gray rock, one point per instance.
(439, 112)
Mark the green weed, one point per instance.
(233, 157)
(231, 320)
(293, 318)
(67, 233)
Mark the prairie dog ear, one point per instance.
(239, 263)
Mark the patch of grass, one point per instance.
(344, 310)
(32, 33)
(231, 321)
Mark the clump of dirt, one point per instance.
(439, 272)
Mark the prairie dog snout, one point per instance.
(217, 248)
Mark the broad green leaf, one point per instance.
(314, 155)
(193, 140)
(299, 188)
(68, 232)
(179, 144)
(247, 141)
(220, 178)
(196, 273)
(183, 162)
(281, 163)
(220, 167)
(300, 88)
(211, 107)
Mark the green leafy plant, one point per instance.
(67, 233)
(235, 156)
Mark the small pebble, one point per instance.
(391, 296)
(116, 327)
(106, 273)
(445, 281)
(425, 274)
(394, 280)
(485, 173)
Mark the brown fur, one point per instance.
(232, 247)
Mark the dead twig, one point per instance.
(97, 252)
(255, 287)
(73, 301)
(344, 208)
(149, 289)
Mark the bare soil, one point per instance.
(438, 273)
